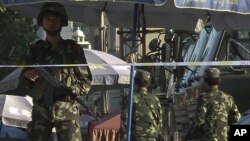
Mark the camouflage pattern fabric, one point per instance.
(143, 75)
(212, 73)
(215, 112)
(39, 129)
(62, 114)
(146, 117)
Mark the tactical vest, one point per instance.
(67, 75)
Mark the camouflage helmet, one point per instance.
(52, 8)
(143, 75)
(212, 73)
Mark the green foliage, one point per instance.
(16, 33)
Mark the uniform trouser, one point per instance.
(40, 130)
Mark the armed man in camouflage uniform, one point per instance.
(146, 114)
(52, 106)
(216, 110)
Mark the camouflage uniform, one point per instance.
(52, 107)
(146, 115)
(61, 114)
(216, 110)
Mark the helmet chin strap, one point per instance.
(53, 32)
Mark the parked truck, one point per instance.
(178, 87)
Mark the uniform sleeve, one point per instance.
(234, 114)
(199, 120)
(124, 118)
(160, 118)
(82, 73)
(27, 60)
(160, 114)
(201, 111)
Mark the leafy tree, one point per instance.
(16, 33)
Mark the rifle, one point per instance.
(57, 84)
